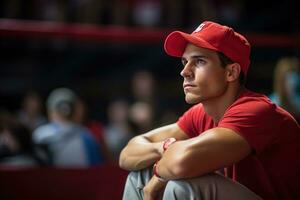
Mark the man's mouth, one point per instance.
(188, 85)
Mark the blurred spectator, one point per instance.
(81, 116)
(143, 86)
(67, 143)
(143, 89)
(147, 12)
(31, 114)
(141, 117)
(118, 131)
(287, 85)
(16, 148)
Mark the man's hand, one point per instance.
(154, 189)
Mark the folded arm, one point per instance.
(206, 153)
(144, 150)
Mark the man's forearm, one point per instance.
(140, 153)
(206, 153)
(144, 150)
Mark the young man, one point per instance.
(230, 129)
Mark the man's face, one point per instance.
(204, 77)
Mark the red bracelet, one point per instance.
(168, 143)
(156, 174)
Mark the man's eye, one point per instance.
(200, 61)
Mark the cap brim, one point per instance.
(176, 42)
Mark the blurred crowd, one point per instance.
(58, 130)
(67, 136)
(122, 12)
(157, 13)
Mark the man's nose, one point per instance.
(186, 71)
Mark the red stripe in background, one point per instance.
(76, 31)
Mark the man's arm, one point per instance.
(144, 150)
(206, 153)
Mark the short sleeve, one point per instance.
(253, 120)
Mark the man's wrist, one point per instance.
(168, 142)
(155, 173)
(162, 147)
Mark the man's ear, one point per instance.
(233, 72)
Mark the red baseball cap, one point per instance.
(211, 35)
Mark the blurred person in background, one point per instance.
(81, 116)
(141, 117)
(66, 143)
(118, 130)
(31, 113)
(229, 128)
(16, 148)
(147, 13)
(286, 85)
(143, 86)
(143, 90)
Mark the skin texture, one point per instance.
(204, 81)
(203, 78)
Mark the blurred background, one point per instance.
(95, 46)
(109, 54)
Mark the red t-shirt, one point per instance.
(273, 169)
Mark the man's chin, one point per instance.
(192, 99)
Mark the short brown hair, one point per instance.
(226, 61)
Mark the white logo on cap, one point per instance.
(199, 28)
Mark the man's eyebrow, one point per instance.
(199, 56)
(194, 57)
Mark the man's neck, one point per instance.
(217, 107)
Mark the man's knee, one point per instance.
(176, 189)
(203, 187)
(208, 186)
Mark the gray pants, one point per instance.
(207, 187)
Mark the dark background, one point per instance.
(101, 70)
